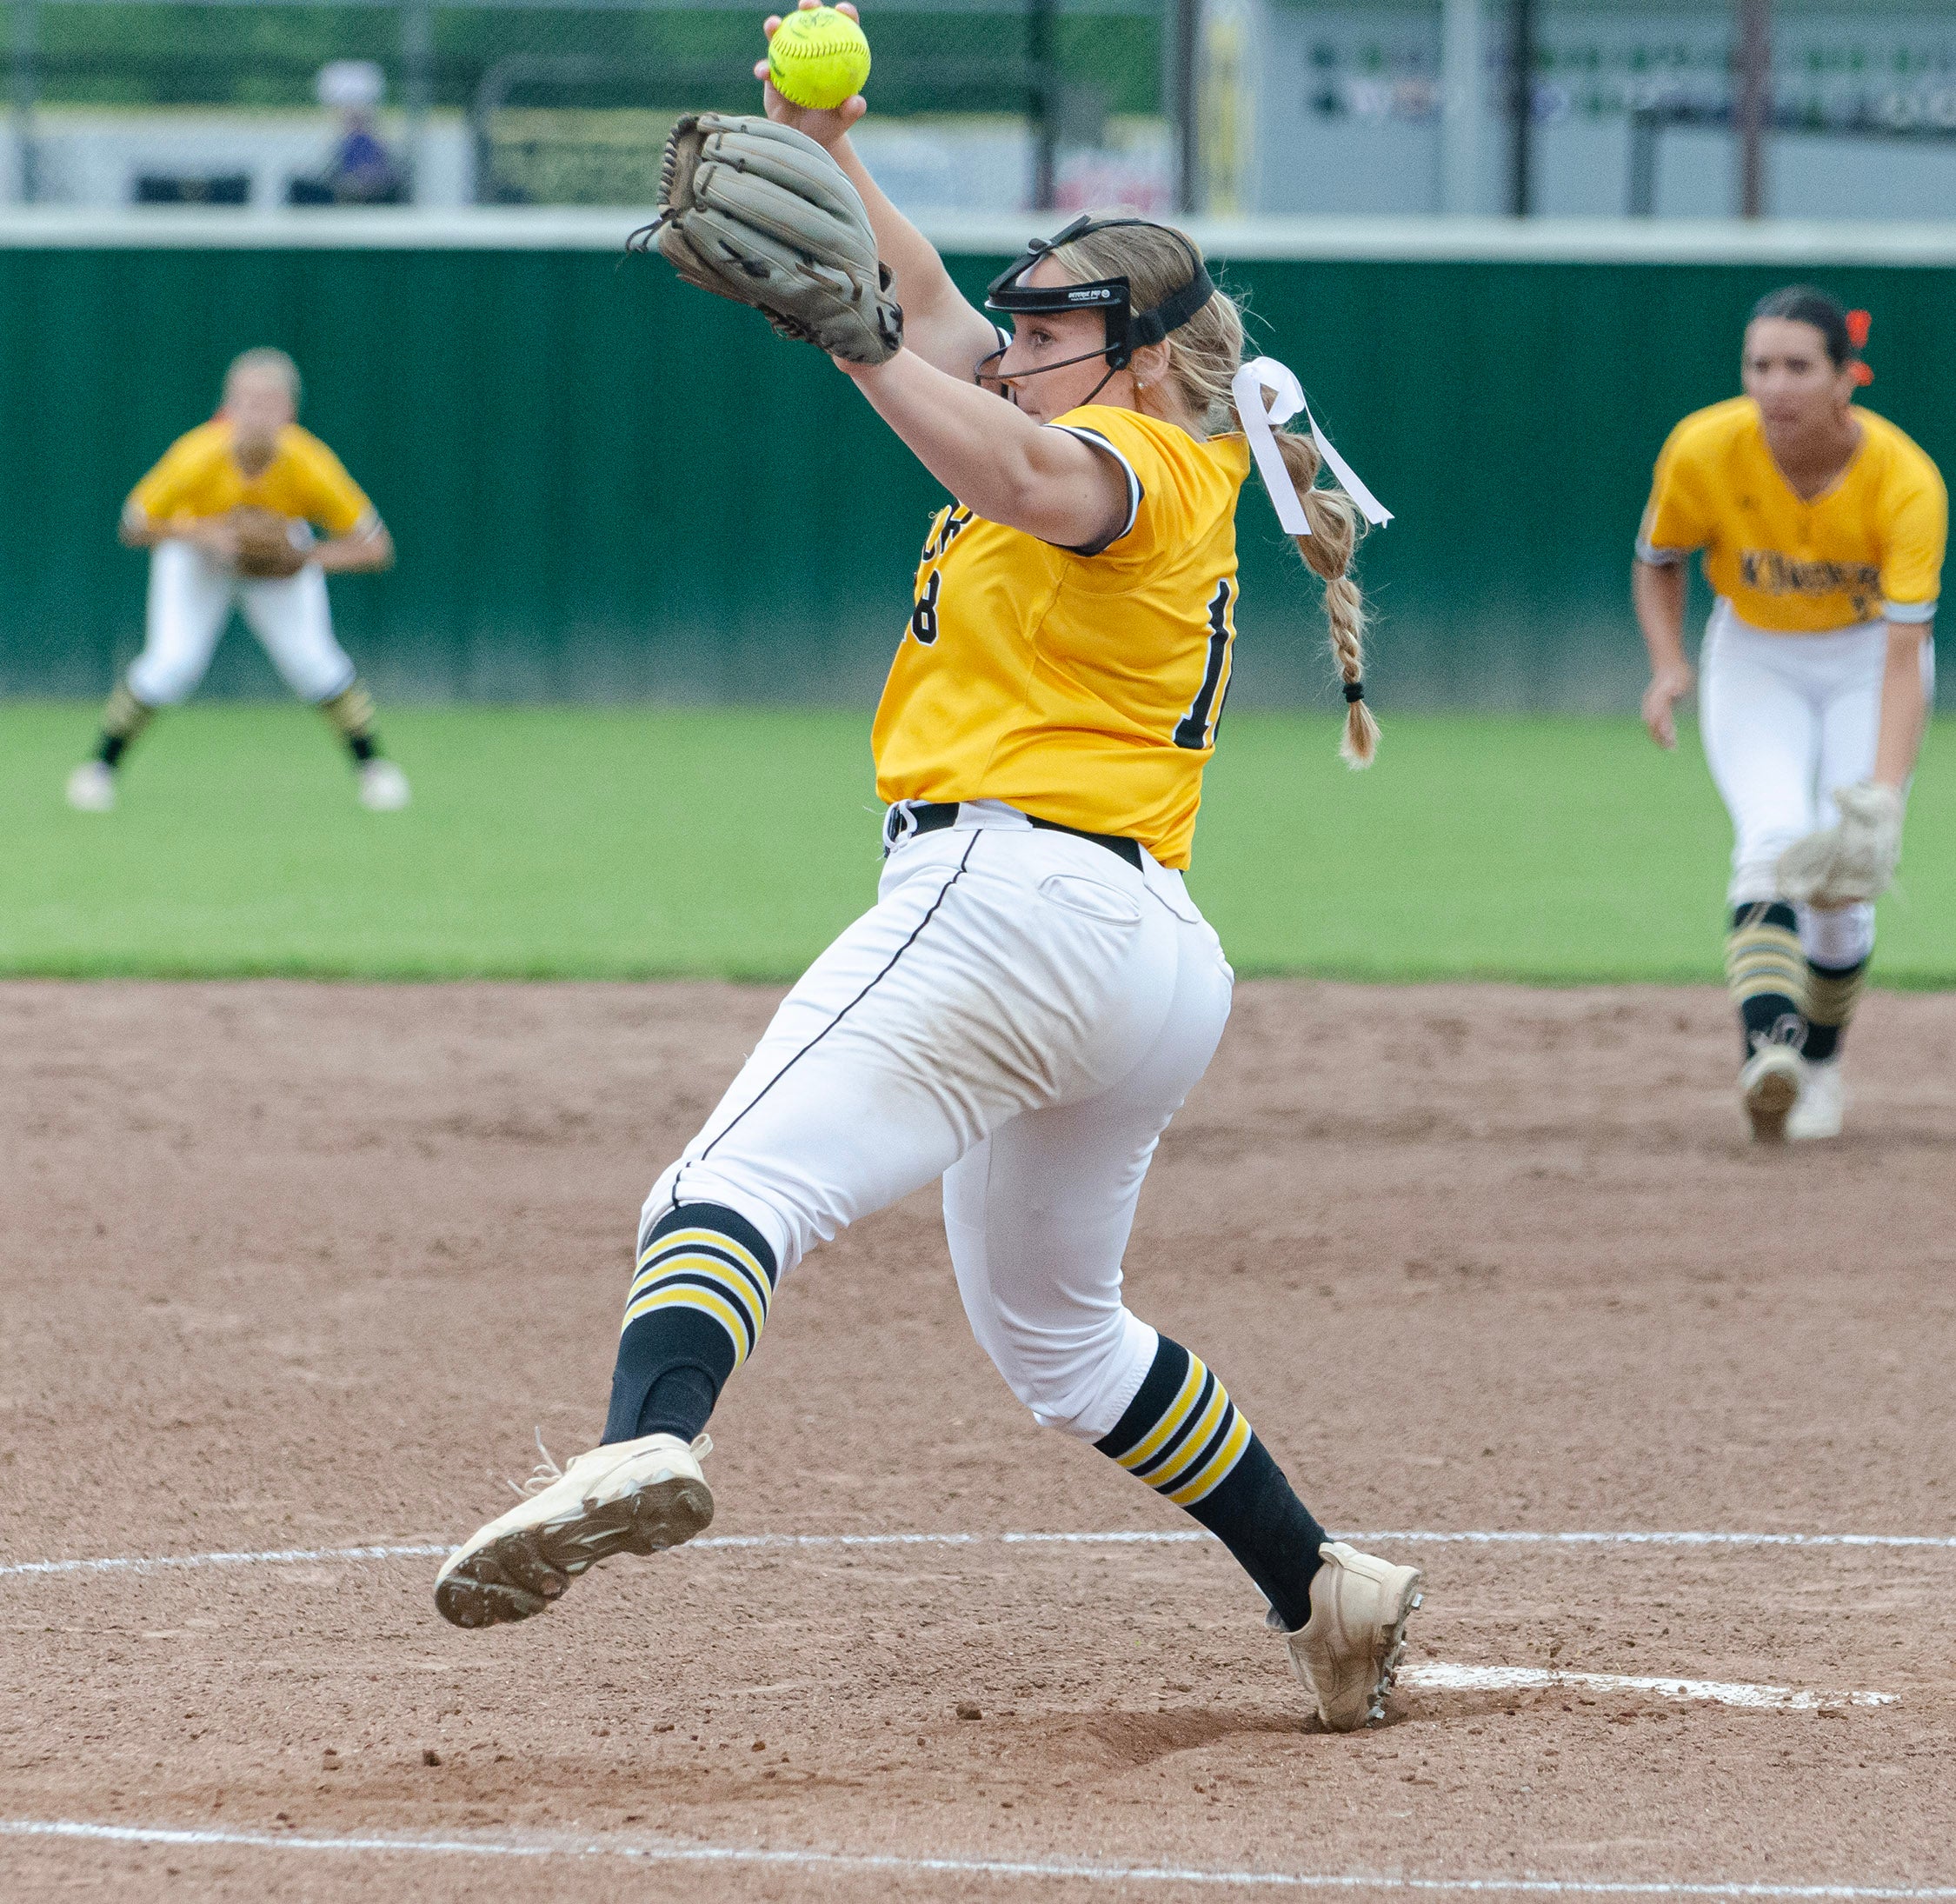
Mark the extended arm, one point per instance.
(213, 534)
(1912, 562)
(939, 325)
(365, 547)
(1657, 590)
(1903, 705)
(996, 460)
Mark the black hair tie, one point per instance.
(1355, 690)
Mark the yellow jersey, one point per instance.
(1868, 549)
(1082, 687)
(199, 477)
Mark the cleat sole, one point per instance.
(526, 1571)
(1768, 1104)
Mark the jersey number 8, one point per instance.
(924, 616)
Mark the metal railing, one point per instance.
(1649, 123)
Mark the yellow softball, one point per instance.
(818, 58)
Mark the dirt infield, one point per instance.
(294, 1268)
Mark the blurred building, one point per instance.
(1384, 106)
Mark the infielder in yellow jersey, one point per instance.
(228, 517)
(1822, 528)
(1034, 992)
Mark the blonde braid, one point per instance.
(1204, 355)
(1336, 526)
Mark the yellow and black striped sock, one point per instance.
(351, 712)
(698, 1300)
(1184, 1436)
(124, 717)
(1832, 991)
(1766, 971)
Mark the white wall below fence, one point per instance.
(1795, 244)
(95, 155)
(940, 163)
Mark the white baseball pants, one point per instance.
(190, 598)
(1021, 1014)
(1786, 719)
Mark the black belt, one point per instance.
(934, 815)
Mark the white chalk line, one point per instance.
(1502, 1679)
(666, 1851)
(1136, 1537)
(1438, 1675)
(268, 1556)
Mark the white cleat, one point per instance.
(1769, 1086)
(1348, 1650)
(91, 787)
(1822, 1104)
(383, 787)
(632, 1497)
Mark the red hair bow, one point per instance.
(1858, 324)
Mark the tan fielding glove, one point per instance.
(761, 214)
(1853, 860)
(266, 548)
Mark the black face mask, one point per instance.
(1128, 329)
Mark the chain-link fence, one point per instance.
(990, 103)
(1258, 106)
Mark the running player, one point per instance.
(204, 513)
(1823, 529)
(1036, 992)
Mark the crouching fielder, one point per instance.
(1823, 529)
(228, 516)
(1035, 992)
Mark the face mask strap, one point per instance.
(1126, 330)
(1065, 363)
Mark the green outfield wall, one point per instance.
(604, 485)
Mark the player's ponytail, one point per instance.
(1204, 355)
(1336, 526)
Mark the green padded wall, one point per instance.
(605, 485)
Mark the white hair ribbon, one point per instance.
(1286, 398)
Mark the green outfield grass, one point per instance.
(613, 843)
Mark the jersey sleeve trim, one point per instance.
(1660, 558)
(1135, 492)
(1909, 614)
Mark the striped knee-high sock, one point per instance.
(698, 1301)
(122, 719)
(1832, 991)
(351, 712)
(1184, 1436)
(1766, 971)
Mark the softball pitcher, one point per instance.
(228, 516)
(1034, 992)
(1823, 529)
